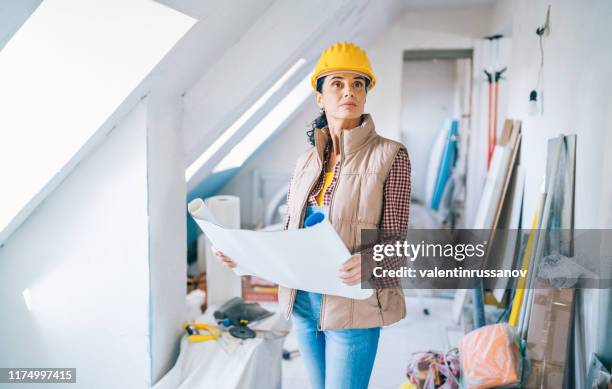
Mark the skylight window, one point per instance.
(63, 73)
(231, 130)
(243, 150)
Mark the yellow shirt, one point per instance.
(328, 179)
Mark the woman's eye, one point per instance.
(337, 84)
(358, 84)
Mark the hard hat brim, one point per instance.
(315, 77)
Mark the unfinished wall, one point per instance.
(577, 78)
(83, 255)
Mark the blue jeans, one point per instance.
(335, 359)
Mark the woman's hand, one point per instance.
(350, 271)
(224, 260)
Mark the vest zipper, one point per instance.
(329, 213)
(293, 291)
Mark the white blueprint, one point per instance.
(306, 259)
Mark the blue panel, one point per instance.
(446, 165)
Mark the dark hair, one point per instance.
(321, 120)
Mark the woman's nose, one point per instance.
(348, 91)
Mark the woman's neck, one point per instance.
(336, 126)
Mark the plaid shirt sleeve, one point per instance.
(396, 212)
(396, 200)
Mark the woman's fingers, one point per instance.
(350, 271)
(352, 278)
(223, 258)
(351, 263)
(218, 253)
(229, 263)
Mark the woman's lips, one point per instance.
(348, 105)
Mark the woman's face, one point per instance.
(343, 95)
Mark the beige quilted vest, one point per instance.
(356, 203)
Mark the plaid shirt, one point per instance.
(396, 205)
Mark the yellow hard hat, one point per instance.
(343, 56)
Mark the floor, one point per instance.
(417, 332)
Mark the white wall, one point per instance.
(577, 79)
(84, 255)
(417, 30)
(577, 98)
(167, 229)
(484, 58)
(428, 94)
(435, 29)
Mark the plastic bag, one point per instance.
(433, 370)
(490, 358)
(562, 271)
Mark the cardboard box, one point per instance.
(548, 337)
(544, 376)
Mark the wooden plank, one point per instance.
(509, 219)
(496, 184)
(514, 143)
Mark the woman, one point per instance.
(359, 180)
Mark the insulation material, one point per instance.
(489, 358)
(548, 337)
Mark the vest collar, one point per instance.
(351, 139)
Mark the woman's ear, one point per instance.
(319, 99)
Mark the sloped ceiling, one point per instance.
(287, 31)
(48, 73)
(221, 25)
(430, 4)
(12, 16)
